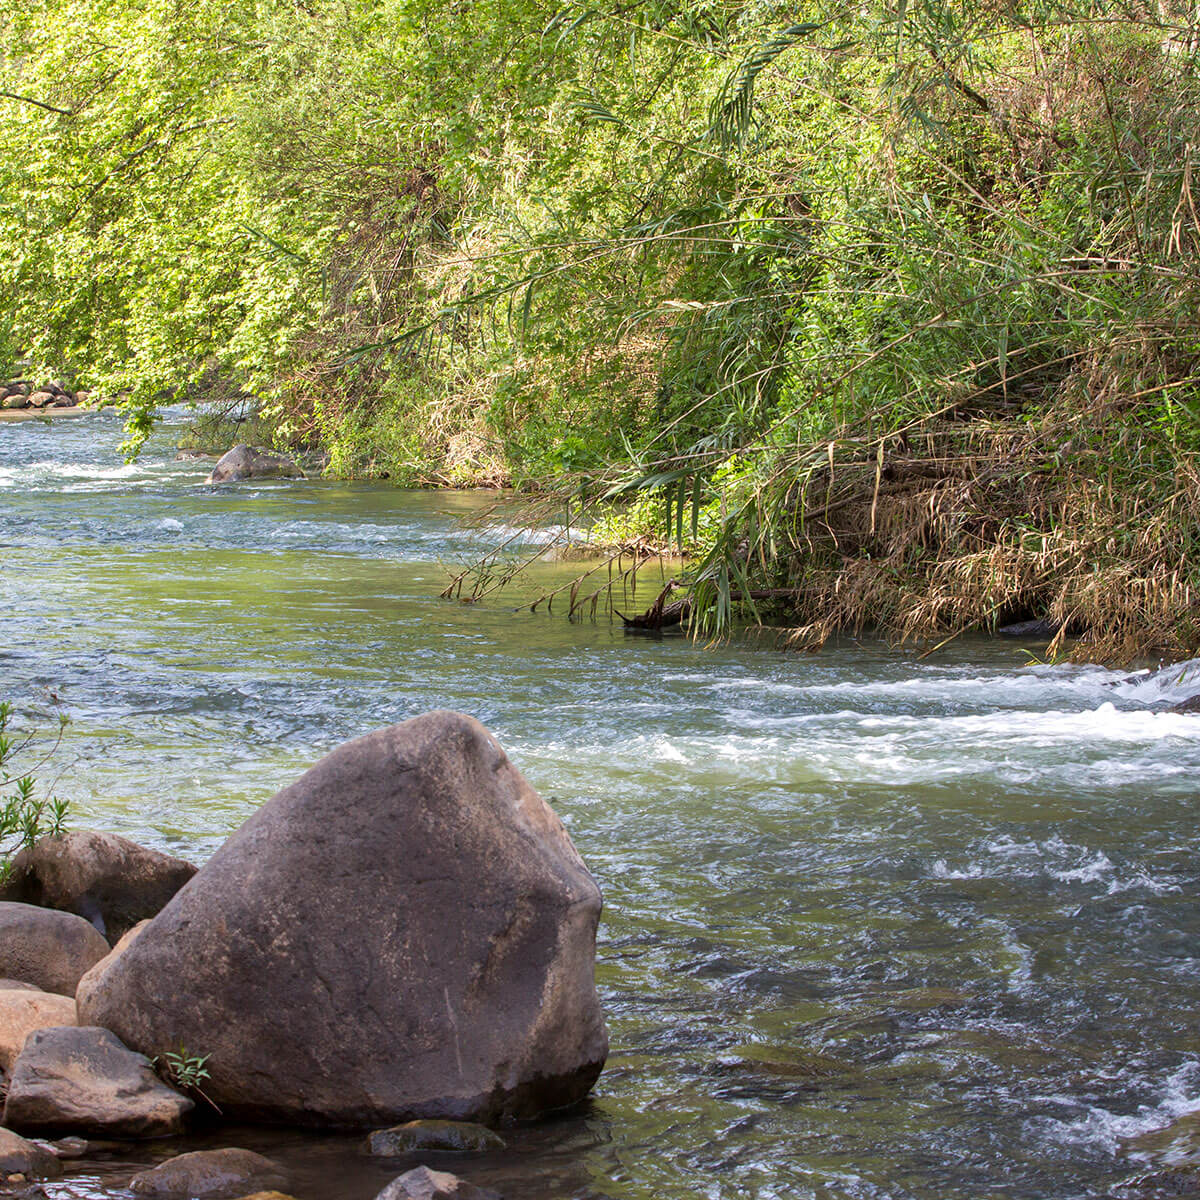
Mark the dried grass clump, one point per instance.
(1088, 517)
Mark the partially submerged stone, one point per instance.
(245, 462)
(85, 1080)
(405, 932)
(47, 948)
(21, 1157)
(108, 880)
(423, 1183)
(1038, 629)
(460, 1137)
(70, 1147)
(209, 1175)
(25, 1012)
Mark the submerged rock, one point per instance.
(1040, 628)
(108, 880)
(85, 1079)
(48, 948)
(245, 462)
(70, 1147)
(423, 1183)
(20, 1157)
(405, 932)
(24, 1012)
(460, 1137)
(210, 1175)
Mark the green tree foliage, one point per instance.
(887, 314)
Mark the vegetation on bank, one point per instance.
(24, 815)
(887, 313)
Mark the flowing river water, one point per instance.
(874, 927)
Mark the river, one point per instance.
(874, 927)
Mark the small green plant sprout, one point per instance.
(24, 817)
(184, 1070)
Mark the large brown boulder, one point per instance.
(84, 1080)
(404, 932)
(47, 948)
(245, 462)
(106, 879)
(24, 1012)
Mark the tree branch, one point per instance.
(62, 112)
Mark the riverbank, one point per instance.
(9, 415)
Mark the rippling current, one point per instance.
(874, 927)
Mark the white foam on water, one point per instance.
(1099, 1128)
(1167, 684)
(170, 525)
(1067, 688)
(542, 536)
(1005, 857)
(665, 750)
(77, 476)
(363, 532)
(1049, 727)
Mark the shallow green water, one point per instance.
(874, 927)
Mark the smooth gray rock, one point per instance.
(406, 932)
(209, 1175)
(108, 880)
(47, 948)
(245, 462)
(459, 1137)
(20, 1157)
(423, 1183)
(84, 1080)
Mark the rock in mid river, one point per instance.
(423, 1183)
(84, 1080)
(108, 880)
(457, 1137)
(47, 948)
(405, 932)
(209, 1175)
(244, 462)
